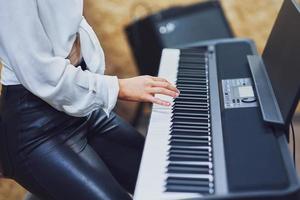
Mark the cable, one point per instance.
(294, 143)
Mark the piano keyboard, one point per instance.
(178, 160)
(195, 150)
(190, 167)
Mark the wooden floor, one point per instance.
(9, 190)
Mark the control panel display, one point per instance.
(238, 93)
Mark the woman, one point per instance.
(59, 138)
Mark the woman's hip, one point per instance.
(31, 126)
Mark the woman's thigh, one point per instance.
(46, 151)
(70, 173)
(118, 144)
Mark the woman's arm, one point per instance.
(26, 49)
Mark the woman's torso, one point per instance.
(62, 21)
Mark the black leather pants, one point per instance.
(59, 157)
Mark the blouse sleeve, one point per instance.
(26, 48)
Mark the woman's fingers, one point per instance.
(158, 101)
(166, 85)
(159, 79)
(161, 82)
(160, 90)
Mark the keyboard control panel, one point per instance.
(238, 93)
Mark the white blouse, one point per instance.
(36, 36)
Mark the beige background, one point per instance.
(249, 18)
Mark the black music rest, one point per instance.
(277, 73)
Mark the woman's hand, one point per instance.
(143, 89)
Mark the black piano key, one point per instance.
(189, 143)
(192, 67)
(192, 103)
(178, 179)
(191, 114)
(186, 113)
(189, 70)
(203, 82)
(200, 117)
(180, 109)
(192, 76)
(190, 152)
(193, 52)
(181, 101)
(193, 86)
(193, 59)
(191, 91)
(199, 109)
(192, 149)
(204, 105)
(190, 126)
(200, 50)
(187, 123)
(201, 133)
(199, 95)
(188, 137)
(198, 71)
(195, 96)
(195, 121)
(195, 133)
(192, 71)
(189, 181)
(182, 188)
(196, 63)
(198, 78)
(188, 169)
(178, 141)
(187, 130)
(202, 98)
(184, 170)
(188, 158)
(189, 99)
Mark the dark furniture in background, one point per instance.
(173, 28)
